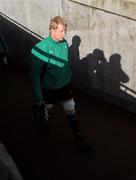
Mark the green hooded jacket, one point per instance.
(50, 66)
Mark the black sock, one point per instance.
(73, 123)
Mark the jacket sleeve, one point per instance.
(36, 68)
(4, 43)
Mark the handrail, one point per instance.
(21, 26)
(94, 7)
(127, 88)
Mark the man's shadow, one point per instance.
(116, 79)
(95, 71)
(75, 55)
(115, 74)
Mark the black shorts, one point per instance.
(56, 95)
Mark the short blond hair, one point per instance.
(57, 20)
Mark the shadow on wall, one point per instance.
(95, 71)
(20, 42)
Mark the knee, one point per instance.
(69, 106)
(70, 111)
(49, 106)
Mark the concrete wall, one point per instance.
(101, 36)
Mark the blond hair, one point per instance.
(57, 20)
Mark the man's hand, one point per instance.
(40, 115)
(5, 61)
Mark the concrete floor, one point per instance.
(110, 130)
